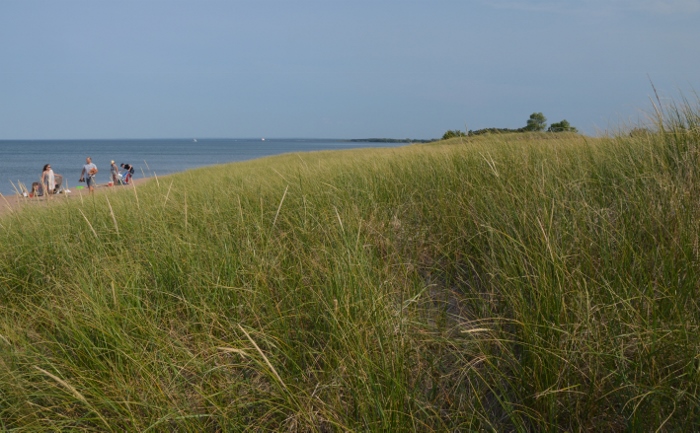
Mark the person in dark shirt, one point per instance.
(129, 172)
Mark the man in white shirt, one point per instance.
(88, 174)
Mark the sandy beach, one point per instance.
(15, 201)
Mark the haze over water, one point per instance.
(23, 160)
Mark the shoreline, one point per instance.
(15, 202)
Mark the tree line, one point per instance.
(536, 123)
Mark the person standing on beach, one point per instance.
(114, 171)
(88, 174)
(48, 181)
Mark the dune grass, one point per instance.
(503, 283)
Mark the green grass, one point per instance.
(506, 283)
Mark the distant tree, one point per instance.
(493, 131)
(451, 134)
(536, 122)
(563, 126)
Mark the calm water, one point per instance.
(22, 160)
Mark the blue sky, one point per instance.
(336, 68)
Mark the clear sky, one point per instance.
(72, 69)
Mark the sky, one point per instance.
(91, 69)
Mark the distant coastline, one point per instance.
(390, 140)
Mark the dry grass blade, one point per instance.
(74, 392)
(114, 218)
(89, 225)
(280, 206)
(233, 350)
(267, 361)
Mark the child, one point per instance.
(36, 190)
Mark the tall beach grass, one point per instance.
(501, 283)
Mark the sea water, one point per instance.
(21, 161)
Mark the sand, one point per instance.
(15, 202)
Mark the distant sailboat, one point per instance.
(194, 140)
(263, 139)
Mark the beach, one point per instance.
(21, 160)
(14, 202)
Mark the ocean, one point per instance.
(23, 160)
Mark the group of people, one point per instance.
(89, 171)
(51, 183)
